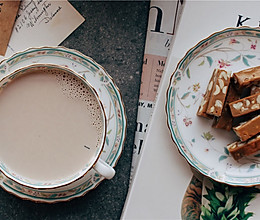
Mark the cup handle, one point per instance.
(104, 169)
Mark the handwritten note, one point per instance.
(42, 23)
(33, 13)
(8, 12)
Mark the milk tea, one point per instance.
(51, 125)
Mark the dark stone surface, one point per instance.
(114, 36)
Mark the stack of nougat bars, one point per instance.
(232, 101)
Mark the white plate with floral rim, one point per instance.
(204, 147)
(114, 110)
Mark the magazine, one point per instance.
(163, 21)
(162, 175)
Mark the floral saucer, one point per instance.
(204, 147)
(114, 110)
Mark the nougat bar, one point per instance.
(218, 94)
(204, 103)
(255, 89)
(248, 129)
(240, 149)
(245, 105)
(225, 120)
(247, 77)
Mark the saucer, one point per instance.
(205, 147)
(114, 109)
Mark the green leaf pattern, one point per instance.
(245, 58)
(210, 60)
(188, 73)
(227, 202)
(185, 95)
(3, 69)
(245, 61)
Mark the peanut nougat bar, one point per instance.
(248, 129)
(204, 103)
(218, 94)
(225, 120)
(240, 149)
(255, 89)
(247, 77)
(246, 105)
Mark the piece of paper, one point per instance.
(8, 12)
(42, 23)
(162, 174)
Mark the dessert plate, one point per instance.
(204, 147)
(114, 110)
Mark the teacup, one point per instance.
(52, 127)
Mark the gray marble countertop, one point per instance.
(113, 34)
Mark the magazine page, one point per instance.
(162, 175)
(162, 24)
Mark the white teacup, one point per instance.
(52, 127)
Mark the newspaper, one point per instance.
(162, 24)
